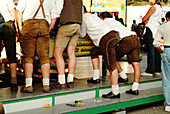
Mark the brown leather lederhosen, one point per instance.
(126, 48)
(35, 37)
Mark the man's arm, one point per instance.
(151, 10)
(52, 23)
(59, 5)
(13, 14)
(158, 39)
(19, 19)
(83, 31)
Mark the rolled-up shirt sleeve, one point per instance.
(21, 5)
(158, 38)
(83, 30)
(54, 10)
(59, 6)
(10, 5)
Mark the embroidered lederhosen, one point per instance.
(35, 37)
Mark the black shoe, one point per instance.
(14, 87)
(93, 81)
(121, 80)
(136, 92)
(70, 84)
(111, 95)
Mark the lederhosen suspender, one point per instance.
(41, 6)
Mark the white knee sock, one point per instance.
(115, 89)
(96, 74)
(28, 82)
(70, 78)
(122, 75)
(61, 79)
(135, 86)
(46, 81)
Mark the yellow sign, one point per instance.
(83, 47)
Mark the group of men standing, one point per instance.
(35, 19)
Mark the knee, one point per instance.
(44, 61)
(57, 52)
(71, 53)
(94, 53)
(28, 60)
(12, 60)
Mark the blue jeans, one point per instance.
(153, 56)
(166, 75)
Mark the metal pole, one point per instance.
(126, 15)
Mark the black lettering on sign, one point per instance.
(85, 44)
(77, 49)
(85, 49)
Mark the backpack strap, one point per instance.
(40, 6)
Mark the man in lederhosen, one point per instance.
(68, 33)
(7, 9)
(39, 17)
(106, 39)
(129, 45)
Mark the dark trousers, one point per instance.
(153, 56)
(9, 38)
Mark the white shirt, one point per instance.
(154, 19)
(29, 7)
(95, 27)
(6, 6)
(117, 26)
(59, 5)
(163, 32)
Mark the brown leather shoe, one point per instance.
(70, 84)
(28, 89)
(46, 88)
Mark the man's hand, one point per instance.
(52, 24)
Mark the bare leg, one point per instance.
(137, 71)
(28, 74)
(137, 74)
(13, 67)
(72, 59)
(95, 63)
(115, 87)
(13, 70)
(114, 77)
(121, 73)
(28, 70)
(119, 68)
(59, 60)
(45, 68)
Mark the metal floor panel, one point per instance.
(93, 103)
